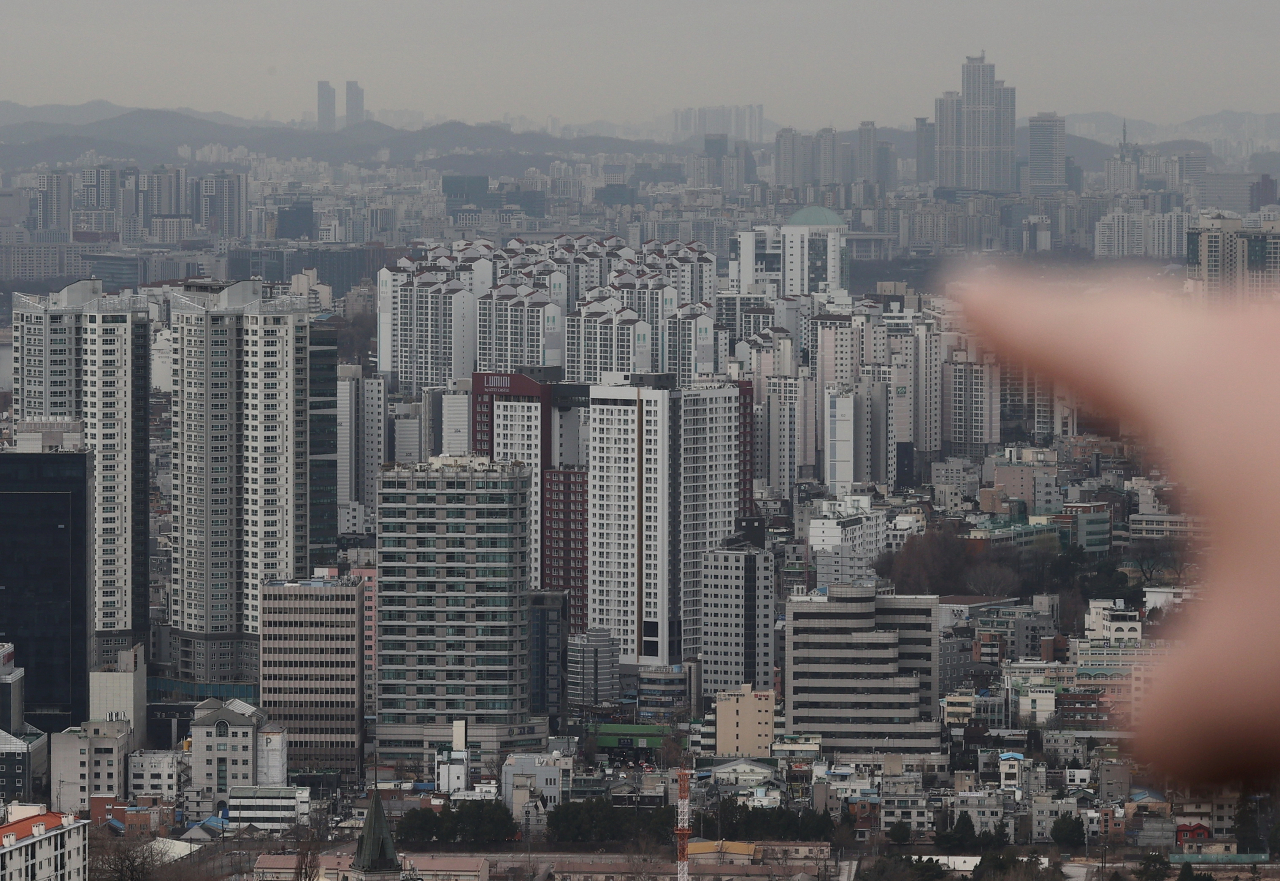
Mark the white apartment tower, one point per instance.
(663, 481)
(362, 434)
(518, 327)
(81, 355)
(240, 466)
(606, 337)
(433, 332)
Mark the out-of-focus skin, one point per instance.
(1203, 382)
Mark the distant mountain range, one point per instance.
(53, 133)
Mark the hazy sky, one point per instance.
(810, 63)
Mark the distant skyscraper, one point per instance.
(787, 162)
(975, 129)
(1048, 166)
(326, 107)
(864, 157)
(926, 146)
(827, 158)
(355, 103)
(53, 201)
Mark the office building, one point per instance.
(738, 594)
(311, 680)
(355, 103)
(233, 744)
(322, 418)
(591, 669)
(86, 356)
(453, 605)
(240, 498)
(47, 512)
(326, 107)
(548, 630)
(860, 669)
(663, 482)
(1048, 164)
(24, 748)
(975, 131)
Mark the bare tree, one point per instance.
(122, 859)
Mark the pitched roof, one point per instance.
(375, 851)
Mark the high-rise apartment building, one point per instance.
(223, 206)
(606, 337)
(240, 470)
(970, 404)
(539, 422)
(326, 107)
(975, 131)
(1225, 260)
(362, 435)
(518, 327)
(53, 201)
(433, 333)
(860, 444)
(1048, 164)
(792, 158)
(663, 484)
(355, 103)
(826, 145)
(47, 512)
(82, 355)
(310, 679)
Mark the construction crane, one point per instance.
(682, 826)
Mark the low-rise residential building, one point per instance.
(36, 845)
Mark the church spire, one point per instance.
(375, 851)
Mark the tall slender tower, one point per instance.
(326, 107)
(240, 454)
(80, 354)
(975, 130)
(355, 103)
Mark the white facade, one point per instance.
(44, 847)
(455, 423)
(433, 332)
(157, 773)
(606, 337)
(80, 354)
(518, 327)
(240, 457)
(91, 759)
(860, 447)
(658, 458)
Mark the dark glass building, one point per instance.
(46, 511)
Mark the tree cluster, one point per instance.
(962, 838)
(472, 823)
(901, 868)
(739, 822)
(596, 820)
(1008, 866)
(1068, 831)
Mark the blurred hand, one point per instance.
(1204, 383)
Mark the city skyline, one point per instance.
(1108, 72)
